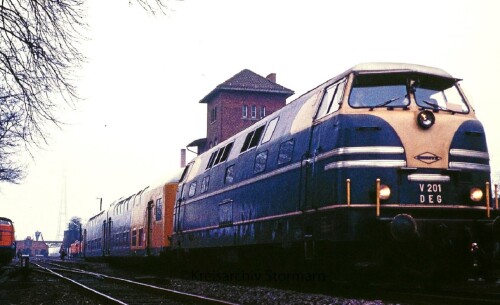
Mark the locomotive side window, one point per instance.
(252, 139)
(184, 173)
(204, 184)
(260, 162)
(211, 160)
(192, 189)
(331, 99)
(229, 176)
(270, 130)
(219, 156)
(227, 150)
(286, 151)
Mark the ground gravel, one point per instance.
(23, 286)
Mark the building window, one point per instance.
(244, 111)
(254, 112)
(262, 111)
(213, 115)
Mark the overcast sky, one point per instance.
(145, 76)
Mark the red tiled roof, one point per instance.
(247, 80)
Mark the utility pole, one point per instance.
(63, 210)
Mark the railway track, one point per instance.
(476, 292)
(473, 293)
(115, 290)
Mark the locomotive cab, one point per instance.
(405, 143)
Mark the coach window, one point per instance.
(286, 151)
(192, 189)
(134, 238)
(260, 162)
(141, 236)
(159, 208)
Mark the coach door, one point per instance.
(106, 237)
(323, 139)
(149, 229)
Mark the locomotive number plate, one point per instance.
(430, 193)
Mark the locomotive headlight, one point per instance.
(385, 192)
(426, 119)
(476, 194)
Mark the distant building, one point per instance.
(32, 247)
(238, 103)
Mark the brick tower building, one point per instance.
(238, 103)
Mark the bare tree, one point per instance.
(152, 6)
(39, 57)
(10, 133)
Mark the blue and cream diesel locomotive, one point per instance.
(384, 161)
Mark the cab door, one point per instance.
(319, 184)
(180, 198)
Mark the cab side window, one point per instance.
(331, 99)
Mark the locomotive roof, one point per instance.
(380, 67)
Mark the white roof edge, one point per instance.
(403, 67)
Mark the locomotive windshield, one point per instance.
(392, 90)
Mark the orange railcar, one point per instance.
(75, 249)
(7, 240)
(152, 220)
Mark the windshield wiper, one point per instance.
(435, 106)
(386, 102)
